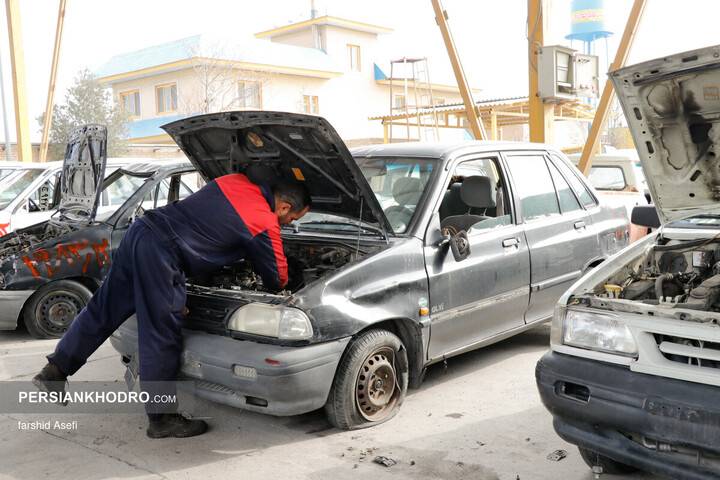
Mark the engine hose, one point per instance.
(659, 284)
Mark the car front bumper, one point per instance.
(660, 425)
(252, 376)
(11, 303)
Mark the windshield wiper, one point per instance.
(350, 224)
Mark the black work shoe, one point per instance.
(51, 380)
(175, 425)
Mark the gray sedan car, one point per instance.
(411, 253)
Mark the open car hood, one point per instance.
(672, 105)
(82, 174)
(267, 146)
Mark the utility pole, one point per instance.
(17, 62)
(51, 89)
(608, 95)
(441, 17)
(542, 115)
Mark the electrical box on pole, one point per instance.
(564, 74)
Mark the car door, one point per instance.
(486, 293)
(559, 232)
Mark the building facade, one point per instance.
(324, 66)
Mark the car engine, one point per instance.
(306, 264)
(676, 274)
(27, 238)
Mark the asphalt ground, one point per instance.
(479, 418)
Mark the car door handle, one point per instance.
(579, 224)
(509, 242)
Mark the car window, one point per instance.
(13, 188)
(571, 174)
(607, 178)
(568, 201)
(398, 184)
(478, 182)
(117, 192)
(534, 186)
(44, 198)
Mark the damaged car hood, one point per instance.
(268, 146)
(672, 106)
(82, 173)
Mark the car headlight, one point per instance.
(604, 332)
(277, 321)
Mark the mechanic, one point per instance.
(227, 219)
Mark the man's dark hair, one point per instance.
(294, 193)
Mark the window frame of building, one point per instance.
(400, 102)
(311, 102)
(248, 101)
(354, 57)
(157, 98)
(136, 112)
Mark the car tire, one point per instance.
(370, 383)
(50, 311)
(608, 465)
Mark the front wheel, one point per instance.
(50, 311)
(370, 383)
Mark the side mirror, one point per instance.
(459, 245)
(645, 216)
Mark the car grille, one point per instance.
(208, 313)
(689, 351)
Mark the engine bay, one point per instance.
(306, 264)
(671, 273)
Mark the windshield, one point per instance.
(398, 183)
(15, 186)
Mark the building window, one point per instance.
(131, 102)
(400, 101)
(354, 57)
(310, 104)
(166, 98)
(250, 95)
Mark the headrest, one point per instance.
(478, 191)
(407, 190)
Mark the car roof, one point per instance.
(445, 149)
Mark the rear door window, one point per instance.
(536, 190)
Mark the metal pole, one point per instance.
(51, 89)
(8, 153)
(608, 94)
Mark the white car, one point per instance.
(619, 180)
(633, 375)
(29, 194)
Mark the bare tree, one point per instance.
(222, 83)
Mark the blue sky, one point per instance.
(490, 34)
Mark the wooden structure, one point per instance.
(494, 115)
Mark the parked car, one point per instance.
(411, 253)
(30, 195)
(8, 167)
(619, 180)
(633, 375)
(49, 271)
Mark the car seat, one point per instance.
(477, 192)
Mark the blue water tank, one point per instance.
(587, 20)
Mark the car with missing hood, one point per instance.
(48, 271)
(633, 375)
(410, 254)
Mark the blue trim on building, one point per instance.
(379, 74)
